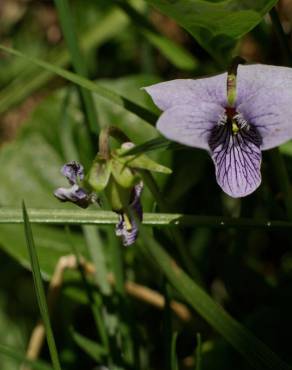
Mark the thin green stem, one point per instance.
(281, 174)
(283, 39)
(277, 160)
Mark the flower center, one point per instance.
(233, 121)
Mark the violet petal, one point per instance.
(237, 159)
(129, 232)
(190, 124)
(128, 235)
(74, 194)
(73, 171)
(186, 91)
(264, 96)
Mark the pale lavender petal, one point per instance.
(75, 194)
(237, 159)
(190, 124)
(73, 171)
(186, 91)
(264, 98)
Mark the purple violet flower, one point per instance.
(197, 113)
(127, 227)
(74, 173)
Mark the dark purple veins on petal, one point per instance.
(235, 148)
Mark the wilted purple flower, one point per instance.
(127, 227)
(74, 173)
(197, 113)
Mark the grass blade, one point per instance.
(199, 352)
(87, 217)
(40, 290)
(103, 92)
(256, 353)
(66, 20)
(33, 77)
(174, 365)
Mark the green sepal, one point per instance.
(99, 174)
(122, 174)
(118, 196)
(140, 161)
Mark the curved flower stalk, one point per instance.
(117, 175)
(233, 121)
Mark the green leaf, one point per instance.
(255, 352)
(40, 291)
(175, 53)
(141, 162)
(93, 349)
(87, 84)
(215, 24)
(20, 358)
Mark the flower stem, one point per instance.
(277, 160)
(281, 36)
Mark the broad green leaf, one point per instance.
(40, 291)
(175, 53)
(255, 352)
(215, 24)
